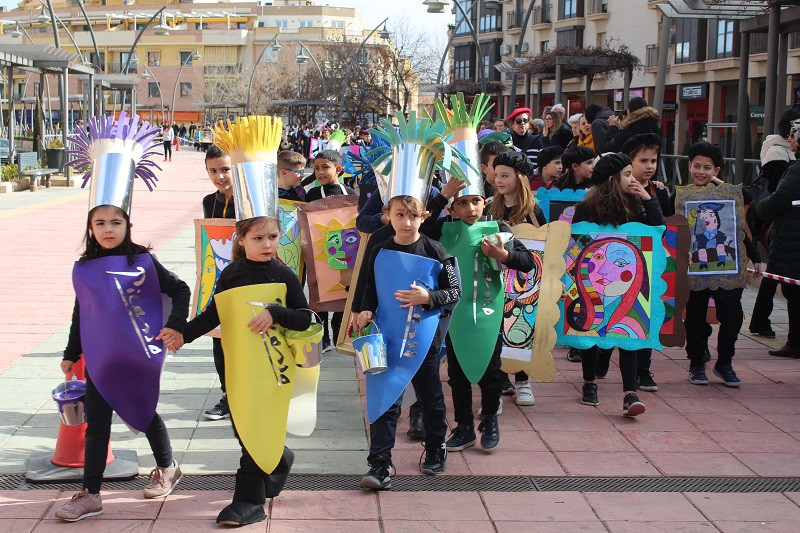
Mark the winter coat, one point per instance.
(644, 120)
(600, 127)
(784, 253)
(561, 137)
(776, 156)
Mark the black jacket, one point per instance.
(562, 137)
(215, 206)
(784, 252)
(644, 120)
(599, 128)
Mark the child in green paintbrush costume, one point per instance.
(482, 247)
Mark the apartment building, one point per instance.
(701, 85)
(190, 47)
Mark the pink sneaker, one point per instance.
(82, 505)
(162, 481)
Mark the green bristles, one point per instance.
(461, 117)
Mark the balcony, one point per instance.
(597, 9)
(222, 69)
(119, 68)
(651, 57)
(541, 15)
(514, 20)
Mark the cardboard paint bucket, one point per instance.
(306, 345)
(371, 353)
(70, 399)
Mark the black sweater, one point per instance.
(170, 284)
(215, 206)
(244, 272)
(449, 290)
(330, 190)
(519, 258)
(650, 214)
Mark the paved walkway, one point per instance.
(687, 431)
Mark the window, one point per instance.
(186, 58)
(462, 63)
(569, 9)
(601, 38)
(99, 61)
(241, 25)
(462, 27)
(572, 37)
(281, 23)
(152, 89)
(186, 89)
(201, 25)
(337, 24)
(35, 88)
(688, 34)
(544, 46)
(490, 20)
(306, 24)
(153, 58)
(724, 38)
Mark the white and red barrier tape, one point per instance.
(776, 277)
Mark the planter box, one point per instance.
(55, 158)
(19, 184)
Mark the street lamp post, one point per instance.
(302, 59)
(436, 6)
(194, 56)
(161, 29)
(91, 31)
(384, 35)
(276, 47)
(512, 102)
(147, 74)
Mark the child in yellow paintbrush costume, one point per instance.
(256, 300)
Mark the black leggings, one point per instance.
(98, 434)
(167, 149)
(627, 366)
(461, 388)
(219, 361)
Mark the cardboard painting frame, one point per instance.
(656, 257)
(292, 206)
(319, 211)
(676, 336)
(710, 193)
(546, 196)
(555, 237)
(344, 343)
(199, 225)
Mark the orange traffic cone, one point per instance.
(71, 441)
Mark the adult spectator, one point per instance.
(641, 119)
(575, 125)
(555, 133)
(598, 117)
(536, 126)
(776, 155)
(523, 141)
(784, 253)
(500, 125)
(586, 137)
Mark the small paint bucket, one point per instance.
(306, 345)
(371, 353)
(70, 399)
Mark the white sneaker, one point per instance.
(524, 393)
(499, 408)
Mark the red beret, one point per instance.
(518, 111)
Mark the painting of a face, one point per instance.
(709, 219)
(612, 269)
(341, 247)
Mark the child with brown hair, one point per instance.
(515, 204)
(290, 175)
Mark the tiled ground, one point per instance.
(686, 431)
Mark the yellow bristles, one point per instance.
(253, 138)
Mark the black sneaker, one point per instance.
(435, 460)
(462, 437)
(380, 474)
(727, 375)
(632, 405)
(697, 375)
(590, 394)
(646, 381)
(507, 388)
(574, 355)
(603, 362)
(416, 425)
(490, 433)
(240, 513)
(764, 331)
(219, 411)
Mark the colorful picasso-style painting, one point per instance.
(289, 249)
(676, 244)
(329, 245)
(213, 247)
(530, 310)
(716, 227)
(613, 287)
(557, 204)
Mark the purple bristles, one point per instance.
(125, 128)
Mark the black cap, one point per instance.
(546, 155)
(591, 111)
(516, 160)
(608, 165)
(642, 139)
(576, 155)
